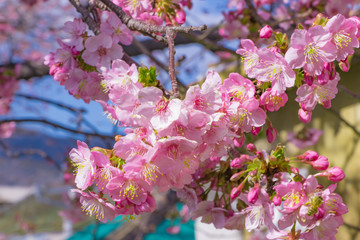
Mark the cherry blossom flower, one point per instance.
(92, 204)
(311, 49)
(100, 50)
(84, 161)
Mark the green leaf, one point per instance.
(147, 77)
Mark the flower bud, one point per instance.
(271, 133)
(276, 200)
(327, 104)
(235, 192)
(309, 156)
(255, 130)
(265, 32)
(275, 49)
(322, 163)
(335, 174)
(253, 193)
(304, 116)
(309, 79)
(294, 170)
(251, 148)
(180, 17)
(238, 142)
(238, 162)
(236, 176)
(344, 65)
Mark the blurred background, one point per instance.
(35, 174)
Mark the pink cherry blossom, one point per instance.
(100, 50)
(92, 204)
(311, 49)
(118, 31)
(274, 68)
(84, 162)
(344, 35)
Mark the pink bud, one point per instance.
(238, 142)
(251, 148)
(327, 104)
(309, 79)
(236, 176)
(255, 130)
(259, 155)
(253, 193)
(275, 49)
(335, 174)
(294, 170)
(238, 162)
(309, 156)
(180, 17)
(235, 192)
(265, 32)
(304, 116)
(322, 163)
(344, 65)
(276, 200)
(271, 133)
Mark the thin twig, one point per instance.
(45, 100)
(145, 28)
(85, 16)
(337, 114)
(56, 125)
(351, 226)
(348, 91)
(170, 37)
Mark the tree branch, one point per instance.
(145, 28)
(170, 36)
(56, 125)
(337, 114)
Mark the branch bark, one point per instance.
(56, 125)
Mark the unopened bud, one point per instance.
(276, 200)
(335, 174)
(235, 192)
(271, 133)
(265, 32)
(344, 65)
(255, 130)
(251, 148)
(309, 156)
(238, 142)
(322, 163)
(253, 193)
(238, 162)
(304, 116)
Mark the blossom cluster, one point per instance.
(156, 12)
(194, 145)
(310, 58)
(239, 21)
(74, 64)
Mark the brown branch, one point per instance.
(56, 125)
(348, 91)
(170, 37)
(71, 109)
(85, 16)
(147, 28)
(337, 114)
